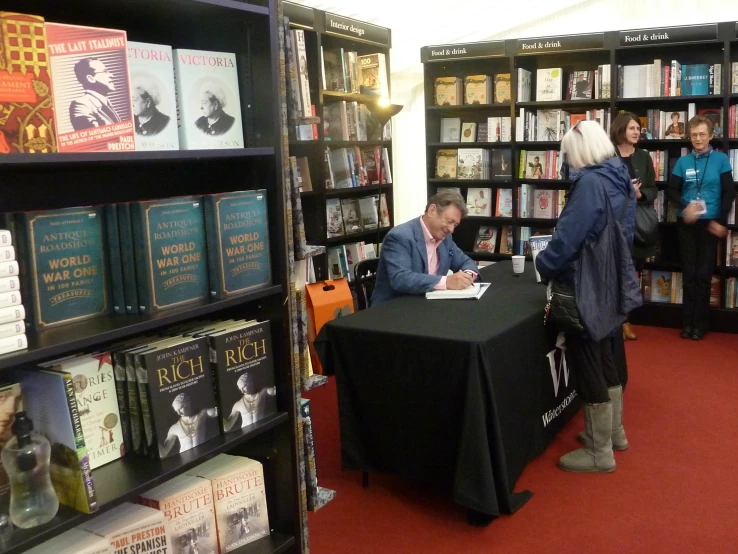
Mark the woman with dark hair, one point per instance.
(625, 133)
(702, 188)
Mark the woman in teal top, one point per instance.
(701, 185)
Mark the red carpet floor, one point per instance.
(675, 489)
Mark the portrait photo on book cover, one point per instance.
(93, 90)
(152, 108)
(251, 401)
(195, 540)
(191, 425)
(211, 102)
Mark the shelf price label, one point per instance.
(351, 28)
(669, 35)
(462, 51)
(566, 43)
(299, 15)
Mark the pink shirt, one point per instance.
(431, 249)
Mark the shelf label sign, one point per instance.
(669, 35)
(567, 43)
(346, 27)
(299, 15)
(462, 51)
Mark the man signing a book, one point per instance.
(416, 256)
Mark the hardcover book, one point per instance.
(171, 256)
(187, 504)
(176, 383)
(548, 84)
(373, 71)
(446, 161)
(237, 232)
(244, 374)
(65, 265)
(208, 101)
(151, 72)
(92, 99)
(97, 402)
(11, 402)
(26, 107)
(486, 240)
(49, 400)
(502, 88)
(478, 202)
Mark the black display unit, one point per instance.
(709, 44)
(328, 30)
(50, 181)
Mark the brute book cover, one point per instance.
(92, 99)
(26, 108)
(238, 242)
(64, 267)
(171, 256)
(180, 396)
(154, 102)
(208, 100)
(244, 374)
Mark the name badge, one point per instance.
(691, 174)
(701, 206)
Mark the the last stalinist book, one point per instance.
(208, 100)
(92, 99)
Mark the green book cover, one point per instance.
(125, 234)
(238, 242)
(116, 269)
(65, 265)
(171, 256)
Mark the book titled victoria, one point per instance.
(208, 100)
(92, 99)
(238, 242)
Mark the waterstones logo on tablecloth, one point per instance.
(559, 371)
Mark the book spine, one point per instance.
(13, 344)
(121, 391)
(12, 329)
(11, 314)
(9, 284)
(7, 253)
(79, 439)
(215, 275)
(22, 268)
(142, 254)
(9, 269)
(116, 269)
(138, 444)
(142, 386)
(9, 299)
(127, 260)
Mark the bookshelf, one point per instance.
(51, 181)
(706, 44)
(331, 31)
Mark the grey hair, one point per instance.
(445, 198)
(586, 144)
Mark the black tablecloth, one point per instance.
(456, 391)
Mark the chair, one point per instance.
(365, 274)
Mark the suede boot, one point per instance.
(619, 441)
(596, 456)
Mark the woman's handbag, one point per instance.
(646, 224)
(561, 309)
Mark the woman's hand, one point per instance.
(637, 187)
(691, 214)
(717, 229)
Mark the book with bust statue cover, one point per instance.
(151, 73)
(171, 257)
(176, 382)
(92, 99)
(26, 107)
(11, 402)
(208, 100)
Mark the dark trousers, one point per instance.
(617, 343)
(592, 363)
(698, 248)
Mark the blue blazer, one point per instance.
(403, 263)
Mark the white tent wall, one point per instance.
(415, 24)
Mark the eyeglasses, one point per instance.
(699, 135)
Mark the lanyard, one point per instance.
(704, 171)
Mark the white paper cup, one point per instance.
(518, 264)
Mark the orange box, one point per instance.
(326, 300)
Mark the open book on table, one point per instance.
(474, 292)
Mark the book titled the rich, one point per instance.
(208, 100)
(238, 242)
(151, 71)
(176, 388)
(244, 374)
(92, 99)
(27, 114)
(171, 256)
(64, 269)
(187, 503)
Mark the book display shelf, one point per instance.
(51, 181)
(573, 55)
(324, 31)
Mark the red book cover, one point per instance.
(26, 111)
(92, 99)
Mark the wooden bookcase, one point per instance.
(327, 30)
(714, 43)
(50, 181)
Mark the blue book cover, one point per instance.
(128, 264)
(238, 242)
(171, 256)
(116, 269)
(695, 79)
(64, 265)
